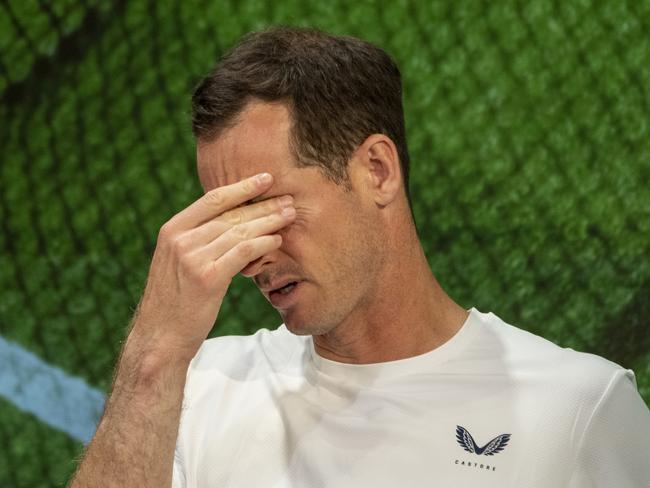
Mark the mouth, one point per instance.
(286, 288)
(282, 297)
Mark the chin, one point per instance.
(303, 326)
(297, 327)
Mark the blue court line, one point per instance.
(62, 401)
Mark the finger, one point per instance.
(221, 199)
(210, 230)
(207, 232)
(243, 232)
(232, 262)
(253, 211)
(251, 269)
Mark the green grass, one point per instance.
(33, 454)
(527, 130)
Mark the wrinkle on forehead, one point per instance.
(259, 142)
(216, 169)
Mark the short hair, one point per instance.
(338, 90)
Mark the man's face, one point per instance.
(334, 243)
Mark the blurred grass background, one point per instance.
(528, 131)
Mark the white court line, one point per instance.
(62, 401)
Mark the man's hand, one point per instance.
(198, 253)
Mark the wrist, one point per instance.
(146, 361)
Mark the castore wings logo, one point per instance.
(493, 447)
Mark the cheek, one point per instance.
(324, 230)
(314, 236)
(298, 236)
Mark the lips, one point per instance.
(285, 289)
(276, 285)
(286, 296)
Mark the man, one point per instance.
(376, 377)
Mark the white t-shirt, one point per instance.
(494, 406)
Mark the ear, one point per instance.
(376, 168)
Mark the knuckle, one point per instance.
(205, 281)
(166, 232)
(181, 245)
(245, 248)
(235, 217)
(186, 262)
(215, 197)
(239, 231)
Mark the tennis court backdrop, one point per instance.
(529, 135)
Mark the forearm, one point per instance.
(135, 439)
(198, 252)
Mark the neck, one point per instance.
(408, 314)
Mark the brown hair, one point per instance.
(338, 89)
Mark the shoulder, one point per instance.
(528, 355)
(578, 396)
(271, 347)
(243, 357)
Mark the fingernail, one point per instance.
(286, 200)
(289, 211)
(263, 178)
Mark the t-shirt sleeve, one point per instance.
(178, 475)
(615, 447)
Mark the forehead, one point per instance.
(258, 142)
